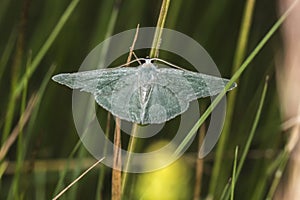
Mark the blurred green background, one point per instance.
(36, 165)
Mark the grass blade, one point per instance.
(278, 174)
(14, 189)
(131, 147)
(132, 140)
(42, 52)
(238, 59)
(35, 112)
(7, 52)
(116, 188)
(22, 121)
(63, 173)
(234, 173)
(159, 28)
(77, 179)
(153, 53)
(111, 25)
(199, 165)
(236, 75)
(251, 135)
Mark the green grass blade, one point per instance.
(234, 173)
(40, 94)
(153, 53)
(109, 31)
(134, 129)
(278, 174)
(238, 59)
(103, 169)
(3, 167)
(35, 62)
(42, 52)
(7, 52)
(251, 135)
(63, 173)
(15, 188)
(131, 147)
(226, 188)
(159, 28)
(236, 75)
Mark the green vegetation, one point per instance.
(40, 152)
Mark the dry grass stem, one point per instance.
(22, 121)
(77, 179)
(116, 173)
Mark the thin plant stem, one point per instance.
(44, 49)
(251, 135)
(32, 121)
(102, 169)
(236, 75)
(111, 25)
(238, 58)
(109, 31)
(199, 164)
(116, 172)
(225, 189)
(153, 53)
(14, 134)
(117, 187)
(14, 190)
(131, 145)
(282, 159)
(16, 68)
(159, 28)
(234, 173)
(77, 179)
(63, 172)
(278, 174)
(7, 52)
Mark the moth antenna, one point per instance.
(135, 60)
(168, 63)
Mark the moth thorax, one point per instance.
(147, 75)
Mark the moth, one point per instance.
(145, 94)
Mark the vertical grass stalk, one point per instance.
(44, 49)
(153, 53)
(234, 173)
(132, 140)
(251, 135)
(236, 75)
(14, 190)
(7, 52)
(238, 58)
(278, 174)
(117, 164)
(199, 162)
(159, 28)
